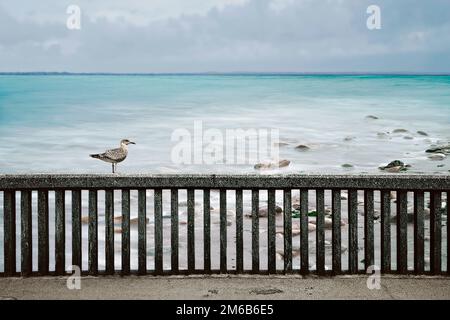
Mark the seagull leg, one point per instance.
(113, 171)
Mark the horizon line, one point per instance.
(293, 73)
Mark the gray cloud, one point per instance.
(252, 35)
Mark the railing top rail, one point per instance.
(250, 181)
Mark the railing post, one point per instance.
(60, 232)
(158, 233)
(191, 230)
(9, 211)
(207, 230)
(93, 232)
(76, 228)
(223, 230)
(271, 216)
(287, 222)
(304, 232)
(125, 231)
(109, 231)
(385, 231)
(320, 231)
(336, 231)
(239, 232)
(26, 243)
(369, 255)
(402, 249)
(142, 232)
(435, 232)
(353, 230)
(174, 230)
(43, 237)
(255, 231)
(419, 247)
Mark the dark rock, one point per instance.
(422, 133)
(400, 131)
(395, 166)
(371, 117)
(439, 149)
(302, 147)
(347, 165)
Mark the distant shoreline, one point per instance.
(43, 73)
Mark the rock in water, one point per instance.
(283, 163)
(347, 165)
(371, 117)
(268, 166)
(437, 156)
(395, 166)
(422, 133)
(400, 131)
(439, 149)
(302, 147)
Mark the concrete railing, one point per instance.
(314, 191)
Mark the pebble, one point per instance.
(400, 131)
(267, 166)
(437, 156)
(422, 133)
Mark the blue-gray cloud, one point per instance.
(246, 35)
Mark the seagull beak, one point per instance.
(131, 142)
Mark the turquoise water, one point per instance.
(51, 123)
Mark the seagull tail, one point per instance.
(95, 156)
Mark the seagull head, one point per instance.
(126, 142)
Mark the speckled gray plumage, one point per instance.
(112, 156)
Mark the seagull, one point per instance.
(114, 156)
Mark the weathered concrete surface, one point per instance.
(227, 287)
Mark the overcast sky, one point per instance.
(225, 36)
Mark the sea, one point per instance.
(50, 123)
